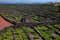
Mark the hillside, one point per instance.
(46, 15)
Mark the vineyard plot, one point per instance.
(30, 22)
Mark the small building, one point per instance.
(57, 5)
(4, 23)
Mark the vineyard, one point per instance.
(31, 22)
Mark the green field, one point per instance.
(17, 12)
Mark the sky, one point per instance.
(27, 1)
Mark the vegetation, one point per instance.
(37, 13)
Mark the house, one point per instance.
(57, 6)
(4, 22)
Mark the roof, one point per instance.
(57, 5)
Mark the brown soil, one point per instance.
(4, 23)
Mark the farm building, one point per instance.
(58, 7)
